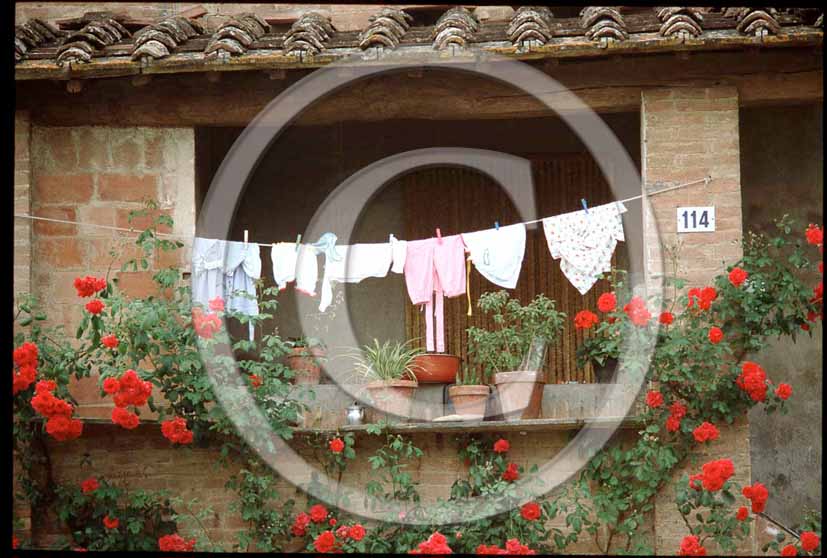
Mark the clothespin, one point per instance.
(585, 207)
(298, 241)
(246, 236)
(439, 235)
(497, 225)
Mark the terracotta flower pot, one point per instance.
(436, 368)
(469, 400)
(394, 397)
(520, 394)
(304, 362)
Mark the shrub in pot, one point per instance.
(389, 369)
(512, 352)
(306, 354)
(470, 394)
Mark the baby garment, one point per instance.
(242, 268)
(354, 263)
(435, 268)
(299, 265)
(498, 253)
(585, 241)
(207, 269)
(399, 249)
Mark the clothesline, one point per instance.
(705, 180)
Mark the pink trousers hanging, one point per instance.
(435, 268)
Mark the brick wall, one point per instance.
(689, 133)
(22, 204)
(97, 175)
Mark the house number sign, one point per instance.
(696, 219)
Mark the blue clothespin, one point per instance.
(585, 207)
(497, 225)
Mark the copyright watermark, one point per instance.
(342, 209)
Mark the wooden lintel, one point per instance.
(783, 76)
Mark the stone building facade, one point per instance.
(93, 138)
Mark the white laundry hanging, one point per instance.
(498, 253)
(355, 263)
(242, 268)
(207, 269)
(292, 264)
(584, 242)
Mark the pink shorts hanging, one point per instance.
(435, 268)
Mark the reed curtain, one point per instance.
(457, 200)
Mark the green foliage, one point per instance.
(388, 361)
(516, 327)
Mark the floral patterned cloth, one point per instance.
(585, 241)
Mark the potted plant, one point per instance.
(470, 394)
(389, 369)
(306, 354)
(512, 352)
(436, 368)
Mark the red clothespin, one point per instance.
(439, 235)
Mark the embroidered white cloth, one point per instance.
(498, 253)
(356, 262)
(584, 242)
(207, 269)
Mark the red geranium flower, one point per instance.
(15, 542)
(25, 356)
(737, 276)
(716, 473)
(585, 319)
(501, 446)
(607, 302)
(678, 409)
(715, 335)
(809, 541)
(757, 494)
(704, 296)
(206, 325)
(654, 399)
(511, 473)
(815, 235)
(514, 547)
(87, 286)
(753, 380)
(300, 524)
(22, 378)
(357, 532)
(742, 513)
(318, 513)
(89, 485)
(132, 390)
(95, 307)
(436, 544)
(336, 445)
(789, 550)
(530, 511)
(175, 430)
(332, 522)
(110, 341)
(111, 385)
(706, 432)
(175, 543)
(63, 428)
(784, 391)
(111, 523)
(693, 481)
(217, 304)
(637, 312)
(342, 532)
(255, 381)
(691, 547)
(673, 423)
(325, 542)
(46, 404)
(124, 418)
(666, 318)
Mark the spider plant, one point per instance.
(387, 361)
